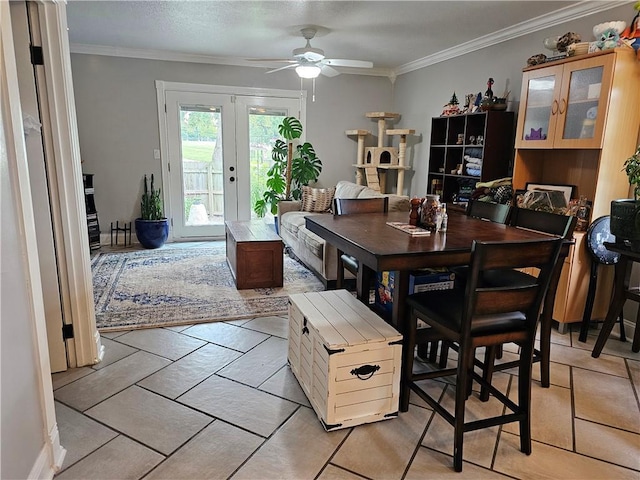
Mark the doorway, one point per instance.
(218, 149)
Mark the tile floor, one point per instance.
(219, 401)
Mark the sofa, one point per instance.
(308, 247)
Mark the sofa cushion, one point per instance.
(292, 221)
(317, 199)
(345, 189)
(313, 242)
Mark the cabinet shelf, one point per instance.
(93, 226)
(445, 154)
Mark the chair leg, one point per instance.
(635, 346)
(465, 356)
(340, 272)
(444, 353)
(623, 337)
(487, 371)
(499, 351)
(588, 308)
(524, 395)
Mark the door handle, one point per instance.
(554, 107)
(563, 106)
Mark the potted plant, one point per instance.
(292, 168)
(152, 228)
(625, 213)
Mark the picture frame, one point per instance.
(567, 190)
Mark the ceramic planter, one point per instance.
(152, 233)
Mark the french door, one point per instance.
(218, 152)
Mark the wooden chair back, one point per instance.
(494, 212)
(347, 206)
(482, 300)
(547, 222)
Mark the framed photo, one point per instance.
(567, 190)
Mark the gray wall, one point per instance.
(118, 127)
(421, 94)
(118, 119)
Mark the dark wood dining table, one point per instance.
(379, 247)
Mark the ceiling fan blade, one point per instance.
(272, 60)
(328, 71)
(341, 62)
(283, 68)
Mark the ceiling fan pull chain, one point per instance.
(313, 89)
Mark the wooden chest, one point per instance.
(254, 255)
(346, 358)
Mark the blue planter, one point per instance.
(152, 233)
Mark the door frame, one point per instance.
(163, 86)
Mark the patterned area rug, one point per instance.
(178, 285)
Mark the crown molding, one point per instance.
(194, 58)
(563, 15)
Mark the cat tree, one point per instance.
(373, 163)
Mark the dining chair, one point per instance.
(348, 206)
(476, 316)
(493, 212)
(545, 222)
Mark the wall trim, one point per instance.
(563, 15)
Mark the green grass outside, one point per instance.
(197, 151)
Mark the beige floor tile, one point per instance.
(547, 462)
(238, 322)
(113, 334)
(70, 375)
(260, 363)
(634, 368)
(559, 338)
(551, 415)
(383, 449)
(215, 453)
(300, 447)
(430, 464)
(239, 405)
(79, 434)
(150, 419)
(284, 384)
(613, 346)
(605, 399)
(331, 472)
(113, 351)
(178, 328)
(163, 342)
(609, 444)
(103, 383)
(583, 359)
(559, 374)
(226, 335)
(479, 445)
(278, 326)
(175, 379)
(119, 459)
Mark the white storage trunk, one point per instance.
(346, 358)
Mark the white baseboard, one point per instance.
(50, 458)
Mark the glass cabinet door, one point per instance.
(540, 90)
(583, 103)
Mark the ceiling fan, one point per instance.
(309, 62)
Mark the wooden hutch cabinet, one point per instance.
(578, 122)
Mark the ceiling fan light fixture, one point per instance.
(308, 71)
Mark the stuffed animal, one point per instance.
(567, 39)
(536, 59)
(631, 34)
(610, 38)
(536, 135)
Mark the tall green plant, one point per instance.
(632, 169)
(151, 204)
(292, 168)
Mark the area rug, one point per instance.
(183, 285)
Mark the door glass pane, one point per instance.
(263, 132)
(538, 111)
(202, 168)
(582, 107)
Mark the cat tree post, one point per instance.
(402, 151)
(361, 134)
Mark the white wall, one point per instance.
(420, 95)
(118, 119)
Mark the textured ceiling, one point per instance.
(390, 34)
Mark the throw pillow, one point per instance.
(317, 200)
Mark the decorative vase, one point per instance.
(152, 233)
(625, 221)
